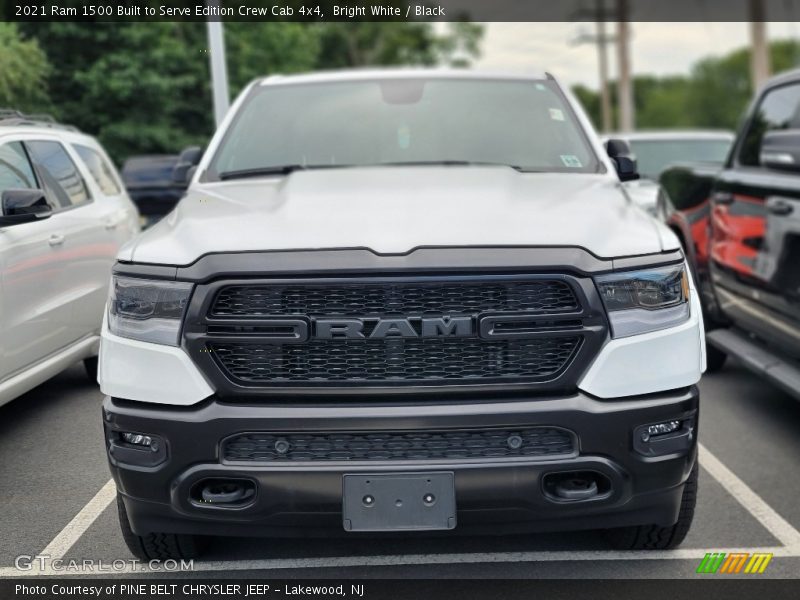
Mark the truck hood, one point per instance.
(392, 210)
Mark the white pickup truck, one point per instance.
(403, 301)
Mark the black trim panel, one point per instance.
(363, 261)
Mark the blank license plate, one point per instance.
(399, 502)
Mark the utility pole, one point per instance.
(602, 40)
(219, 68)
(602, 61)
(627, 118)
(759, 52)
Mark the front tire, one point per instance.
(158, 546)
(655, 537)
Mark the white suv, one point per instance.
(64, 214)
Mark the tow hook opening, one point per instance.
(223, 493)
(576, 486)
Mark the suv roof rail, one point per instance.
(10, 117)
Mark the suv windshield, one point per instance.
(524, 124)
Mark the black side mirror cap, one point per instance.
(182, 174)
(191, 155)
(23, 206)
(185, 168)
(624, 161)
(780, 150)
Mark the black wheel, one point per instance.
(90, 364)
(160, 546)
(715, 358)
(655, 537)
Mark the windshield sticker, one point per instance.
(541, 87)
(570, 160)
(556, 114)
(403, 137)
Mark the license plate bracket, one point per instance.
(399, 502)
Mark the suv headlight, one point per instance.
(150, 311)
(643, 301)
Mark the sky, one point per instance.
(656, 48)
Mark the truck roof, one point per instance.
(670, 134)
(783, 78)
(399, 73)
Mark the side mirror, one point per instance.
(184, 169)
(624, 161)
(23, 206)
(780, 150)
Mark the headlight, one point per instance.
(643, 301)
(150, 311)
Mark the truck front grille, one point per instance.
(539, 442)
(394, 335)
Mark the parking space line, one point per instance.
(693, 554)
(770, 520)
(67, 537)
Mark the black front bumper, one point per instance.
(645, 479)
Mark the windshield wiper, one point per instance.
(275, 170)
(287, 169)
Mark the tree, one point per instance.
(23, 71)
(397, 43)
(721, 88)
(714, 95)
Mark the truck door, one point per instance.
(755, 227)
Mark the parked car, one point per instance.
(657, 150)
(403, 301)
(149, 182)
(64, 217)
(740, 226)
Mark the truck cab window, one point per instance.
(779, 109)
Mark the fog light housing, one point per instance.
(674, 436)
(660, 429)
(139, 439)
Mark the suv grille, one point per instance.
(401, 298)
(395, 360)
(399, 445)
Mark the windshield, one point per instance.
(653, 156)
(524, 124)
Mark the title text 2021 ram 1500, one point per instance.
(403, 301)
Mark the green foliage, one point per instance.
(590, 101)
(23, 71)
(396, 43)
(258, 49)
(714, 95)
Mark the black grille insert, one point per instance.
(398, 298)
(544, 442)
(398, 360)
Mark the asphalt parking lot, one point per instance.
(56, 498)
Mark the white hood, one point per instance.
(392, 210)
